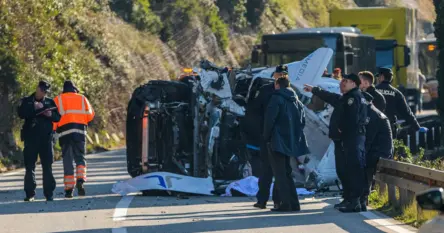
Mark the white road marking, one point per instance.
(122, 208)
(384, 223)
(120, 212)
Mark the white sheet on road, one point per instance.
(249, 186)
(187, 184)
(165, 181)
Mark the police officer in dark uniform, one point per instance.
(347, 130)
(266, 177)
(39, 113)
(378, 144)
(397, 107)
(367, 80)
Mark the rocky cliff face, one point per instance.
(109, 47)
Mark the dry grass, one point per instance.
(408, 215)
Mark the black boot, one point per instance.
(353, 206)
(80, 188)
(68, 193)
(342, 204)
(283, 208)
(277, 205)
(296, 207)
(260, 205)
(364, 203)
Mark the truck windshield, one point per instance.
(428, 59)
(296, 48)
(385, 53)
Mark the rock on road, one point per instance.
(102, 211)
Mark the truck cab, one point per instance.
(394, 29)
(352, 51)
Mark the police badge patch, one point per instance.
(350, 101)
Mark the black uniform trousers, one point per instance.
(370, 172)
(280, 164)
(266, 179)
(341, 168)
(255, 162)
(39, 146)
(354, 152)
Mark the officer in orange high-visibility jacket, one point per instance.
(76, 112)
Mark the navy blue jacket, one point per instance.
(397, 108)
(349, 114)
(284, 124)
(253, 121)
(378, 138)
(36, 124)
(378, 99)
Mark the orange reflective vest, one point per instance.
(74, 109)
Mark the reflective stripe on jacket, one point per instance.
(74, 109)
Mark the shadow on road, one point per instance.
(329, 221)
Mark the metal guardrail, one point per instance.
(429, 141)
(409, 179)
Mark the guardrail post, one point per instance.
(392, 195)
(382, 187)
(406, 197)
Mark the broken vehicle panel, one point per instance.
(192, 126)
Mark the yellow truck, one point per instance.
(395, 32)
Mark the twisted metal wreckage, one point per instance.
(185, 135)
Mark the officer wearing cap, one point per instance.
(378, 144)
(266, 176)
(396, 106)
(347, 130)
(39, 113)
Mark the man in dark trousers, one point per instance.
(284, 132)
(39, 113)
(76, 113)
(251, 125)
(397, 108)
(367, 80)
(266, 178)
(378, 144)
(347, 130)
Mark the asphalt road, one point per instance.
(102, 211)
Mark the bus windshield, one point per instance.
(296, 48)
(428, 58)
